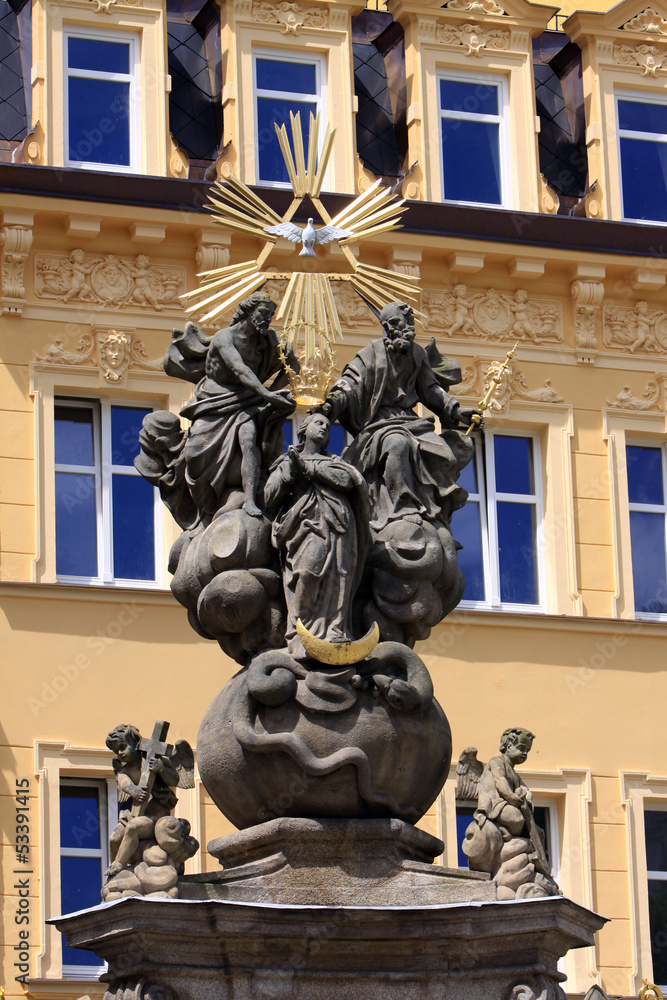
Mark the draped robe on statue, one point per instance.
(374, 399)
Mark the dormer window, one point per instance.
(642, 138)
(472, 138)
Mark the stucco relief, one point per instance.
(635, 328)
(473, 37)
(108, 280)
(492, 315)
(477, 380)
(648, 20)
(15, 243)
(475, 6)
(645, 57)
(113, 352)
(291, 16)
(587, 297)
(626, 399)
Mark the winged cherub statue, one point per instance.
(149, 846)
(308, 236)
(503, 838)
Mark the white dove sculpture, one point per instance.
(309, 236)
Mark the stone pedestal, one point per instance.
(332, 910)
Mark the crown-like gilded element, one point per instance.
(307, 311)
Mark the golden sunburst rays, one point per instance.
(307, 311)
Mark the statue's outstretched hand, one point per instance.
(466, 415)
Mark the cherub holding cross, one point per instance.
(146, 772)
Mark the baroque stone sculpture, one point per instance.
(149, 846)
(316, 573)
(503, 838)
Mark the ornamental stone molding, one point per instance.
(587, 297)
(644, 57)
(108, 280)
(491, 315)
(473, 37)
(475, 6)
(113, 352)
(648, 20)
(290, 16)
(15, 242)
(635, 328)
(477, 379)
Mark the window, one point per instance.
(655, 829)
(501, 524)
(101, 100)
(642, 138)
(85, 822)
(472, 138)
(106, 513)
(646, 492)
(284, 84)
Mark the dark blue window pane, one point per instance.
(513, 458)
(99, 121)
(541, 814)
(647, 535)
(468, 478)
(464, 816)
(76, 525)
(637, 117)
(337, 439)
(287, 434)
(79, 816)
(133, 528)
(657, 915)
(467, 530)
(475, 98)
(655, 829)
(80, 881)
(471, 161)
(105, 57)
(125, 426)
(516, 549)
(644, 474)
(644, 177)
(74, 436)
(270, 110)
(289, 77)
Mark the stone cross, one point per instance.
(154, 747)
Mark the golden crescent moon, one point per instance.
(337, 654)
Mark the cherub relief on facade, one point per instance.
(108, 280)
(503, 838)
(635, 328)
(149, 846)
(491, 315)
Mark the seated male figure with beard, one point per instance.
(411, 470)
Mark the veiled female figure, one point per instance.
(321, 530)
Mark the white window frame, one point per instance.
(133, 78)
(638, 97)
(488, 499)
(108, 805)
(656, 876)
(103, 471)
(320, 98)
(650, 508)
(501, 119)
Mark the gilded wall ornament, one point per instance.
(108, 280)
(291, 16)
(635, 328)
(645, 57)
(491, 315)
(472, 36)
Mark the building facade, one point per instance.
(530, 146)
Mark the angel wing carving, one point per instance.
(468, 772)
(183, 760)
